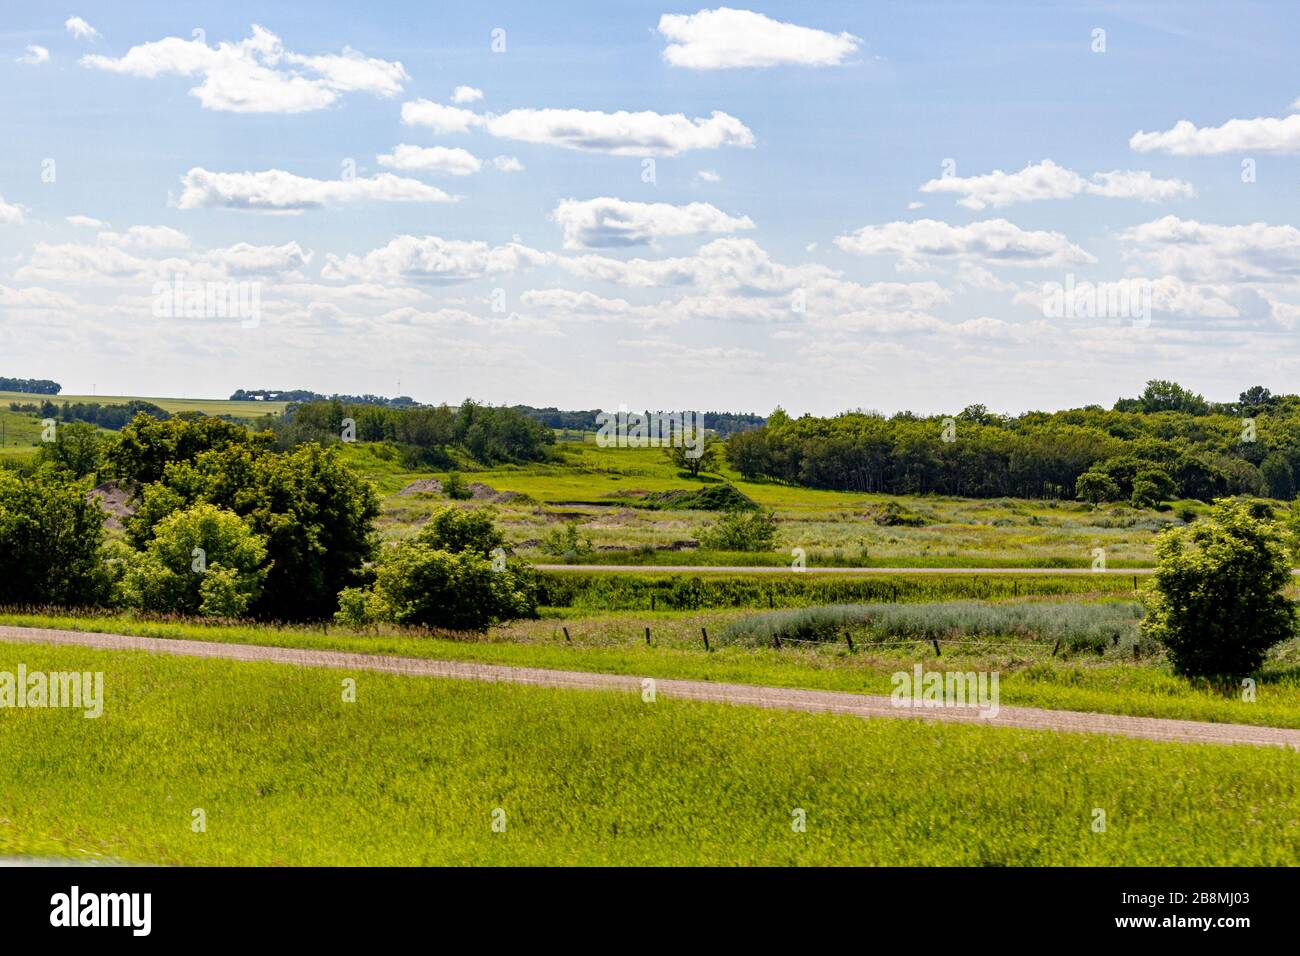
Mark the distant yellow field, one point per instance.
(209, 406)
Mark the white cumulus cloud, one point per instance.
(1047, 180)
(622, 133)
(257, 74)
(438, 117)
(466, 94)
(433, 259)
(275, 190)
(1262, 134)
(726, 38)
(10, 214)
(991, 241)
(605, 221)
(431, 159)
(80, 29)
(1207, 252)
(35, 55)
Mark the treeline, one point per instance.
(721, 424)
(32, 386)
(303, 395)
(429, 436)
(112, 417)
(1166, 443)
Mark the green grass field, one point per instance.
(412, 772)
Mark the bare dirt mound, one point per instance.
(423, 486)
(481, 492)
(115, 499)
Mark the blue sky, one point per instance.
(783, 247)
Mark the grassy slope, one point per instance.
(412, 771)
(615, 644)
(834, 528)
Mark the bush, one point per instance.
(444, 577)
(461, 530)
(893, 515)
(1217, 602)
(741, 531)
(723, 496)
(203, 560)
(50, 541)
(566, 543)
(456, 487)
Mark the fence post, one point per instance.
(849, 637)
(776, 641)
(652, 601)
(1057, 647)
(647, 637)
(706, 638)
(566, 634)
(935, 642)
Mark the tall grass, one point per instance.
(1077, 626)
(597, 591)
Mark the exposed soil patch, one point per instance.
(115, 499)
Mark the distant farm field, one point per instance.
(207, 406)
(418, 770)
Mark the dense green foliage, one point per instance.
(50, 541)
(146, 446)
(77, 448)
(451, 575)
(429, 436)
(31, 386)
(1164, 444)
(200, 561)
(719, 496)
(1217, 603)
(315, 514)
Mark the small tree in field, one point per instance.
(684, 459)
(1217, 604)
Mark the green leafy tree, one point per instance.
(315, 513)
(203, 560)
(147, 446)
(1150, 487)
(684, 459)
(78, 448)
(1096, 487)
(1218, 603)
(51, 537)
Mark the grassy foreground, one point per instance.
(1029, 676)
(412, 772)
